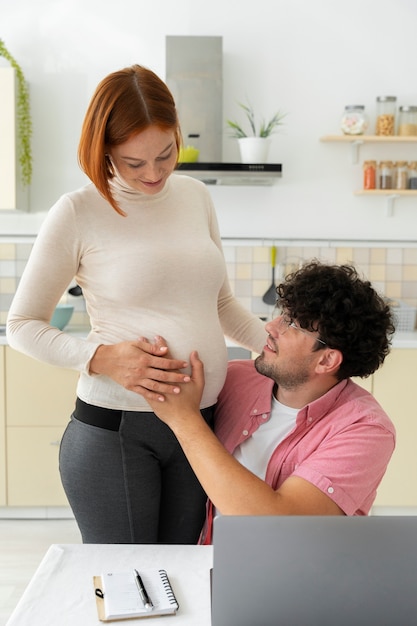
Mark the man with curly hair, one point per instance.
(295, 435)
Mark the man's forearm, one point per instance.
(233, 489)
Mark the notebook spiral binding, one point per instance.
(167, 586)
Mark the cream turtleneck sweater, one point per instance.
(158, 271)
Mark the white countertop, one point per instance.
(401, 339)
(61, 592)
(405, 339)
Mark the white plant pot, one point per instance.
(254, 149)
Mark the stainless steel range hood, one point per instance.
(194, 74)
(233, 173)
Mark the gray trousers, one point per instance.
(133, 485)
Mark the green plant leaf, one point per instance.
(265, 129)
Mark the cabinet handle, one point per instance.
(55, 443)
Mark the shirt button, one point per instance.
(330, 490)
(310, 419)
(255, 411)
(264, 416)
(245, 432)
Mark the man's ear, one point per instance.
(329, 362)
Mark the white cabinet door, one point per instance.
(12, 193)
(2, 432)
(32, 466)
(394, 388)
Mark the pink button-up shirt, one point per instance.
(341, 442)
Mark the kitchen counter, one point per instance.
(77, 332)
(401, 339)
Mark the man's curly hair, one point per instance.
(345, 310)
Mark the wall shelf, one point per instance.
(356, 141)
(233, 173)
(386, 192)
(390, 194)
(371, 138)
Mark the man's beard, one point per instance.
(288, 378)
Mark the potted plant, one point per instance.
(254, 145)
(24, 122)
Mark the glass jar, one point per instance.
(385, 115)
(385, 175)
(407, 120)
(369, 175)
(412, 175)
(354, 120)
(400, 175)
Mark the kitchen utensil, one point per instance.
(270, 296)
(75, 291)
(62, 315)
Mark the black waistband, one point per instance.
(97, 416)
(110, 418)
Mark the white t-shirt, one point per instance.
(255, 452)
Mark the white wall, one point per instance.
(306, 57)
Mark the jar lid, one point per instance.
(401, 164)
(354, 106)
(385, 164)
(386, 99)
(408, 109)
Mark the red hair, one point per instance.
(125, 103)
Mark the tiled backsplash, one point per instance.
(13, 258)
(392, 271)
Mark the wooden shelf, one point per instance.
(360, 139)
(356, 141)
(386, 192)
(390, 194)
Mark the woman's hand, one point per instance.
(140, 366)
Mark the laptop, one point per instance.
(314, 571)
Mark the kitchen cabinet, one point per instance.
(32, 466)
(2, 432)
(393, 387)
(12, 193)
(33, 418)
(39, 401)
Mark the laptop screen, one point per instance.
(314, 571)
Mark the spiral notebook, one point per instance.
(118, 597)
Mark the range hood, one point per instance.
(233, 173)
(194, 74)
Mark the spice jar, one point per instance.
(412, 175)
(354, 120)
(400, 175)
(385, 115)
(385, 175)
(369, 175)
(407, 120)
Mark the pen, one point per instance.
(147, 602)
